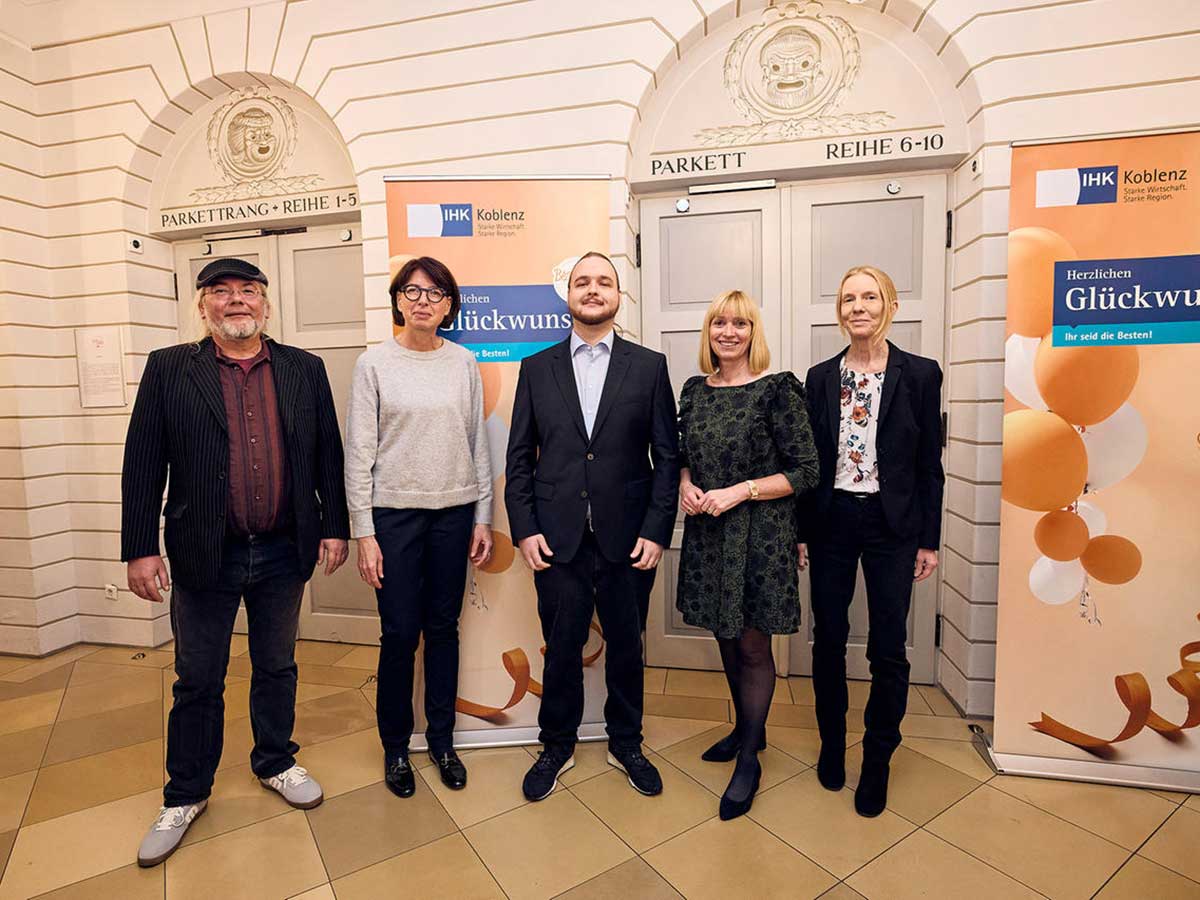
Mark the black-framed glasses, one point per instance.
(413, 293)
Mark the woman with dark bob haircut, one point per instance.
(419, 488)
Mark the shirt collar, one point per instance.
(263, 354)
(606, 342)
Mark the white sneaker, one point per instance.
(167, 831)
(296, 787)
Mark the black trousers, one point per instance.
(568, 594)
(424, 575)
(856, 529)
(265, 571)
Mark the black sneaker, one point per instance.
(543, 775)
(399, 778)
(450, 767)
(641, 772)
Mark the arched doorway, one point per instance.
(789, 144)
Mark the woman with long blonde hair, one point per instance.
(745, 449)
(876, 419)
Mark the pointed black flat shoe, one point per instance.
(730, 808)
(728, 747)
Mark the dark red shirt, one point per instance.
(258, 500)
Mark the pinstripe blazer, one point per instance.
(178, 428)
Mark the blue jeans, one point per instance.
(265, 571)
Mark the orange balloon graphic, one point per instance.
(1032, 253)
(1045, 461)
(503, 554)
(490, 374)
(1112, 559)
(1061, 535)
(1085, 385)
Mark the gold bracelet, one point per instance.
(753, 489)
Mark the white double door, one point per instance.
(788, 248)
(316, 302)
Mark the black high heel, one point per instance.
(730, 808)
(728, 747)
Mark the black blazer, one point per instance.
(908, 443)
(178, 427)
(628, 470)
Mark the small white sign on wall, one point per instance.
(101, 366)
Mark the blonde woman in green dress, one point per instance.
(746, 449)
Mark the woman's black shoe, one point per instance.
(728, 747)
(870, 798)
(731, 807)
(450, 767)
(831, 768)
(399, 778)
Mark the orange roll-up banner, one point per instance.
(1098, 635)
(511, 243)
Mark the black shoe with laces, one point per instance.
(543, 774)
(451, 768)
(640, 771)
(398, 776)
(728, 747)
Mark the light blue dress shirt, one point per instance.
(590, 362)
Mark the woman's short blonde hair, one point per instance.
(737, 305)
(199, 326)
(887, 293)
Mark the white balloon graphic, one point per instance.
(1114, 447)
(1093, 515)
(1018, 370)
(497, 434)
(1056, 583)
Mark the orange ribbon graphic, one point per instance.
(1134, 693)
(516, 663)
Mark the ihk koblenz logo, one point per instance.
(427, 220)
(1077, 187)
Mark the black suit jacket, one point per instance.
(179, 428)
(908, 444)
(628, 470)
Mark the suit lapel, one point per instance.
(202, 370)
(890, 380)
(564, 375)
(287, 385)
(833, 396)
(617, 367)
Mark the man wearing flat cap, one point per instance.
(243, 430)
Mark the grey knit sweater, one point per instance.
(415, 436)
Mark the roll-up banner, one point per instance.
(1098, 637)
(511, 243)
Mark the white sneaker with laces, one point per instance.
(296, 786)
(167, 831)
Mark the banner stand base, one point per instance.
(521, 736)
(1098, 772)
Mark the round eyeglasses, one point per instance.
(413, 294)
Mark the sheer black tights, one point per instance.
(750, 671)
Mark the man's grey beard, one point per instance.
(239, 331)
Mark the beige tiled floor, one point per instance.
(81, 748)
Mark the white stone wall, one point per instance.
(544, 86)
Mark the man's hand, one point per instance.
(690, 498)
(481, 545)
(533, 548)
(147, 575)
(332, 554)
(722, 500)
(370, 561)
(802, 556)
(648, 551)
(926, 562)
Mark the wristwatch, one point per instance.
(753, 488)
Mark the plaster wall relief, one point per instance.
(800, 90)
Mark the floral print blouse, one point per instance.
(858, 468)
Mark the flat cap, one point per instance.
(229, 268)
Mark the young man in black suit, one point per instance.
(245, 427)
(592, 479)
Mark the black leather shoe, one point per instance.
(640, 771)
(450, 767)
(870, 799)
(399, 778)
(731, 808)
(543, 774)
(831, 767)
(728, 748)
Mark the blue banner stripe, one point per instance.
(1119, 335)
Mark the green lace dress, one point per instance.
(738, 570)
